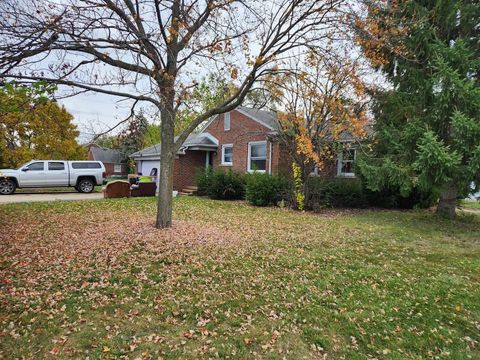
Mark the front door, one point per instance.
(33, 174)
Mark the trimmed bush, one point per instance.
(203, 178)
(221, 185)
(264, 190)
(323, 193)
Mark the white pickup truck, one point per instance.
(82, 175)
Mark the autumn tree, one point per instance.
(321, 101)
(32, 126)
(428, 122)
(153, 51)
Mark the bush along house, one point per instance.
(243, 140)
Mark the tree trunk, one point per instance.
(448, 201)
(164, 211)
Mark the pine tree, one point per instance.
(428, 124)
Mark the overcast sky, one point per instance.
(94, 113)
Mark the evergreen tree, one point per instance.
(428, 125)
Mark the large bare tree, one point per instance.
(152, 51)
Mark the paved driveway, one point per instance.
(52, 196)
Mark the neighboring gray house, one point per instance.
(112, 159)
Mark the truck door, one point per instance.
(57, 173)
(33, 175)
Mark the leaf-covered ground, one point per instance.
(95, 279)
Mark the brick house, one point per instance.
(111, 159)
(242, 140)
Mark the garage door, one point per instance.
(147, 166)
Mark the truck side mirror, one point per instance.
(25, 169)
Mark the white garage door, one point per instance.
(146, 166)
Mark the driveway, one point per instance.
(51, 196)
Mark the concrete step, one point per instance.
(189, 191)
(194, 188)
(181, 193)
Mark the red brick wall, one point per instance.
(282, 163)
(109, 167)
(185, 168)
(242, 131)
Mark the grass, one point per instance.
(96, 279)
(470, 204)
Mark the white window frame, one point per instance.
(223, 163)
(249, 158)
(117, 168)
(226, 121)
(340, 163)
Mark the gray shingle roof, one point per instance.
(106, 155)
(192, 141)
(269, 118)
(153, 150)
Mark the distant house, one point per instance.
(112, 159)
(243, 140)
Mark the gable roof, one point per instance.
(105, 155)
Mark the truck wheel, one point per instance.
(85, 186)
(7, 186)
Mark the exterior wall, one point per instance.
(282, 162)
(242, 131)
(185, 168)
(109, 169)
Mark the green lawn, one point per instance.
(94, 278)
(470, 204)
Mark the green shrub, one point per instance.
(392, 199)
(387, 185)
(203, 179)
(264, 190)
(218, 184)
(322, 193)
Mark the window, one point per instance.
(257, 156)
(86, 165)
(117, 168)
(36, 166)
(226, 121)
(227, 154)
(52, 166)
(345, 162)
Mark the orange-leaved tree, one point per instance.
(35, 127)
(322, 102)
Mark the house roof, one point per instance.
(267, 118)
(202, 140)
(105, 155)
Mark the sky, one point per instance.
(95, 113)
